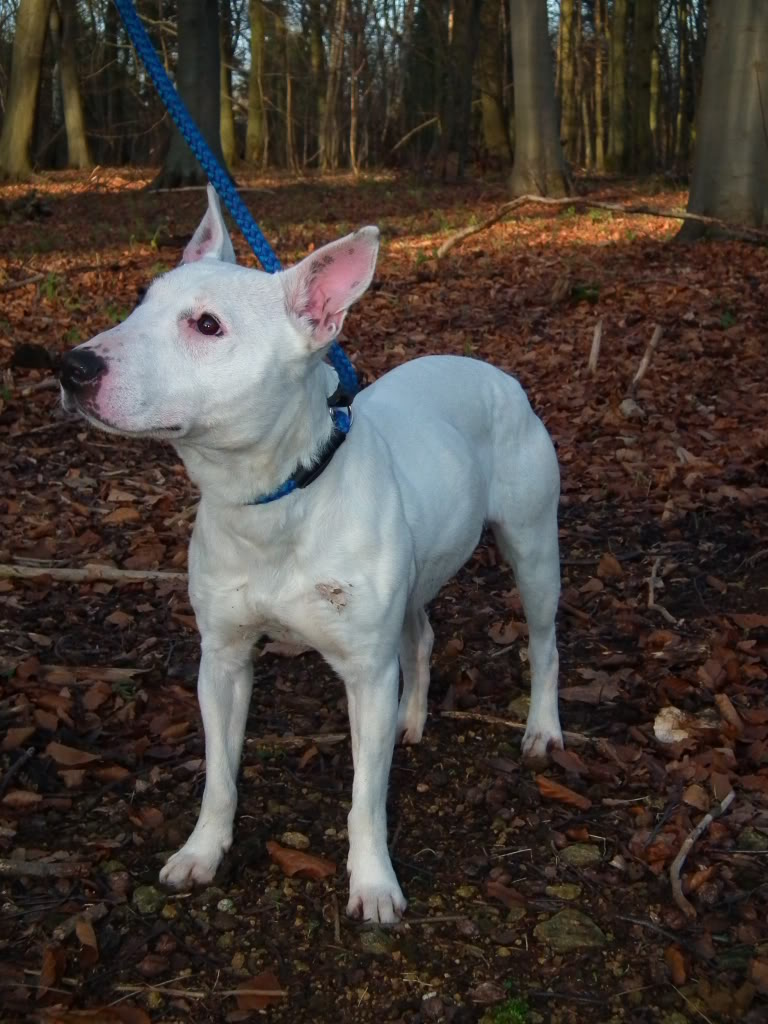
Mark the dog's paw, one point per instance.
(377, 898)
(190, 866)
(538, 741)
(410, 727)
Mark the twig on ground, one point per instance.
(297, 741)
(746, 233)
(42, 869)
(199, 993)
(652, 584)
(14, 770)
(576, 739)
(646, 360)
(90, 574)
(594, 352)
(11, 286)
(93, 913)
(689, 946)
(677, 864)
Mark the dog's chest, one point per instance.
(242, 589)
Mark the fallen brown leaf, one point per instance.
(296, 862)
(69, 757)
(505, 894)
(260, 991)
(552, 790)
(675, 962)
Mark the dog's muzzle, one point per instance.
(81, 369)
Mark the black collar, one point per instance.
(303, 476)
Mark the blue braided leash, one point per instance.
(216, 173)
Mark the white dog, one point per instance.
(226, 363)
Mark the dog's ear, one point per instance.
(320, 289)
(211, 240)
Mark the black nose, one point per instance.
(80, 367)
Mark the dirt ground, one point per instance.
(543, 898)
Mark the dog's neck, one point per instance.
(237, 475)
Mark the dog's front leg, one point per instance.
(224, 690)
(374, 893)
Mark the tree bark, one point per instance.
(62, 25)
(256, 137)
(538, 166)
(682, 126)
(197, 79)
(617, 97)
(599, 90)
(490, 80)
(730, 170)
(569, 118)
(642, 139)
(317, 61)
(330, 132)
(226, 115)
(26, 64)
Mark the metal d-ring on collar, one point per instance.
(339, 404)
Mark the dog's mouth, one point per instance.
(70, 404)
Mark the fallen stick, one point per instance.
(193, 993)
(594, 352)
(652, 605)
(677, 864)
(42, 869)
(296, 741)
(11, 286)
(646, 360)
(14, 769)
(749, 234)
(576, 739)
(95, 912)
(91, 573)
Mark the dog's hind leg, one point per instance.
(533, 555)
(415, 651)
(524, 521)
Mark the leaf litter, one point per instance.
(663, 638)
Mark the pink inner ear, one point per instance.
(335, 278)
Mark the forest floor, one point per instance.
(532, 898)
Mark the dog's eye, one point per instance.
(208, 324)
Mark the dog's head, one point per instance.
(215, 349)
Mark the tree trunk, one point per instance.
(599, 90)
(226, 116)
(256, 137)
(538, 166)
(617, 97)
(284, 35)
(26, 63)
(654, 115)
(62, 23)
(569, 120)
(197, 79)
(317, 61)
(682, 129)
(730, 168)
(490, 80)
(330, 132)
(642, 139)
